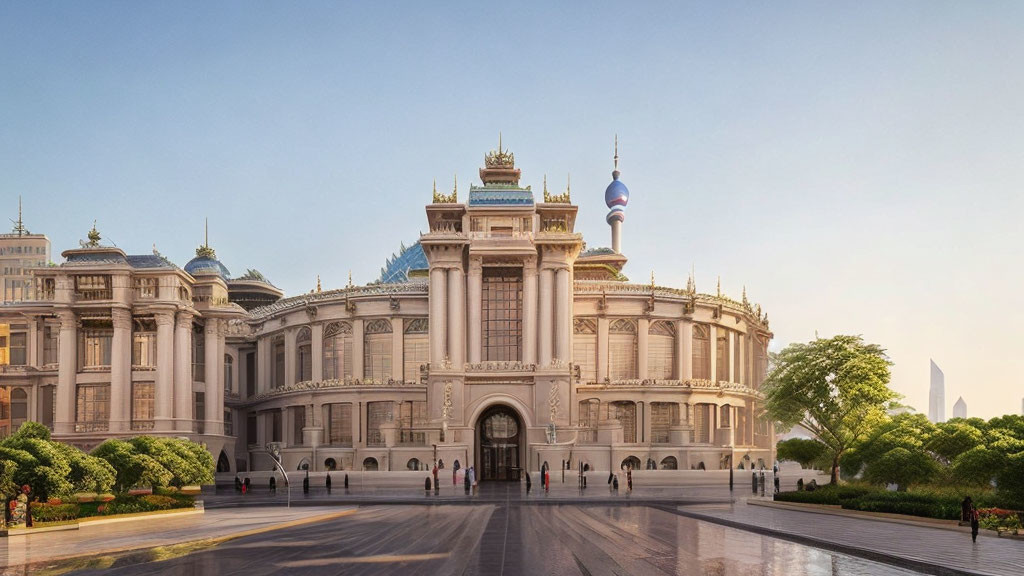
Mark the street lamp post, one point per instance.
(275, 454)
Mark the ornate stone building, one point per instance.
(496, 340)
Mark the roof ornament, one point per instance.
(691, 285)
(204, 250)
(558, 198)
(719, 286)
(652, 278)
(93, 236)
(349, 278)
(452, 198)
(19, 226)
(616, 152)
(746, 303)
(318, 289)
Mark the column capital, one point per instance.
(185, 319)
(211, 326)
(68, 319)
(476, 265)
(121, 318)
(164, 318)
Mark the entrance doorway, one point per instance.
(499, 432)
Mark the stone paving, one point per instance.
(935, 550)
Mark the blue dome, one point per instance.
(616, 194)
(206, 265)
(399, 265)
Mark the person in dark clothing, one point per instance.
(974, 524)
(466, 481)
(327, 482)
(965, 509)
(529, 483)
(273, 485)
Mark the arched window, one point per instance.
(416, 348)
(722, 355)
(229, 373)
(668, 463)
(622, 349)
(589, 415)
(19, 407)
(625, 412)
(760, 360)
(631, 462)
(223, 464)
(377, 350)
(701, 352)
(661, 350)
(413, 464)
(277, 359)
(664, 415)
(304, 355)
(584, 348)
(338, 351)
(370, 464)
(330, 465)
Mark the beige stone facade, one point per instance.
(508, 346)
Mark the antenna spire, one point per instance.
(206, 232)
(499, 141)
(19, 225)
(616, 151)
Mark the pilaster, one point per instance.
(317, 344)
(530, 311)
(120, 370)
(643, 327)
(67, 348)
(456, 317)
(474, 327)
(183, 372)
(163, 413)
(545, 316)
(438, 313)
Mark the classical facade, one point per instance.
(495, 340)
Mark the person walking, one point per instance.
(465, 480)
(629, 478)
(435, 477)
(965, 509)
(529, 483)
(974, 524)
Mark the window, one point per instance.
(339, 424)
(250, 374)
(589, 415)
(624, 412)
(377, 350)
(701, 422)
(94, 344)
(737, 345)
(50, 334)
(144, 345)
(377, 413)
(501, 314)
(229, 373)
(412, 414)
(304, 355)
(415, 348)
(701, 352)
(93, 288)
(298, 423)
(338, 351)
(145, 288)
(19, 349)
(198, 355)
(251, 426)
(274, 421)
(199, 412)
(760, 360)
(48, 405)
(664, 415)
(229, 428)
(19, 407)
(661, 356)
(143, 405)
(725, 418)
(722, 355)
(92, 407)
(584, 348)
(277, 360)
(622, 349)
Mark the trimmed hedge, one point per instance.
(925, 502)
(46, 512)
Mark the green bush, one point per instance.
(158, 502)
(909, 503)
(828, 494)
(43, 512)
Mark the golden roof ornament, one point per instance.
(719, 286)
(318, 289)
(746, 303)
(93, 236)
(452, 198)
(350, 278)
(204, 249)
(557, 198)
(500, 158)
(691, 286)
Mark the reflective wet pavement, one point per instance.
(512, 539)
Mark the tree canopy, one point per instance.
(837, 388)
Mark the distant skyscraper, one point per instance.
(937, 395)
(20, 251)
(960, 408)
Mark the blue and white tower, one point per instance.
(616, 196)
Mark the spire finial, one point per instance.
(652, 277)
(719, 286)
(435, 185)
(568, 182)
(545, 183)
(206, 232)
(19, 225)
(499, 142)
(616, 151)
(318, 283)
(456, 188)
(350, 278)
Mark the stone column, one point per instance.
(602, 349)
(317, 344)
(713, 335)
(183, 372)
(357, 349)
(214, 403)
(163, 409)
(643, 327)
(474, 326)
(731, 356)
(456, 317)
(547, 279)
(290, 356)
(438, 311)
(742, 377)
(34, 345)
(397, 348)
(262, 363)
(530, 311)
(120, 370)
(563, 315)
(67, 349)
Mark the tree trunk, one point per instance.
(835, 470)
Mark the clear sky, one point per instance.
(858, 167)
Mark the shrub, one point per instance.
(45, 512)
(158, 502)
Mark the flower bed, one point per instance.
(56, 511)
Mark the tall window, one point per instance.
(622, 349)
(589, 415)
(664, 415)
(701, 423)
(722, 355)
(624, 412)
(274, 422)
(416, 348)
(229, 373)
(725, 418)
(198, 354)
(229, 425)
(144, 344)
(701, 352)
(48, 405)
(250, 374)
(92, 405)
(584, 348)
(377, 350)
(501, 314)
(94, 345)
(304, 355)
(377, 413)
(339, 424)
(737, 345)
(19, 407)
(93, 288)
(251, 427)
(760, 360)
(199, 412)
(143, 405)
(412, 414)
(50, 334)
(298, 423)
(19, 349)
(661, 350)
(277, 358)
(338, 351)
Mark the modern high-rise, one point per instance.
(960, 408)
(20, 252)
(937, 395)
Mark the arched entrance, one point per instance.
(499, 437)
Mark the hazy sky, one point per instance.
(858, 167)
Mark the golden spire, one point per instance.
(318, 289)
(652, 278)
(499, 141)
(206, 232)
(350, 278)
(545, 185)
(435, 186)
(719, 286)
(568, 182)
(455, 190)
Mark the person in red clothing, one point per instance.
(974, 524)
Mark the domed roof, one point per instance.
(203, 264)
(616, 194)
(398, 266)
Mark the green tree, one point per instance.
(88, 473)
(1010, 478)
(131, 467)
(189, 463)
(836, 388)
(39, 465)
(953, 438)
(808, 453)
(907, 431)
(902, 467)
(977, 466)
